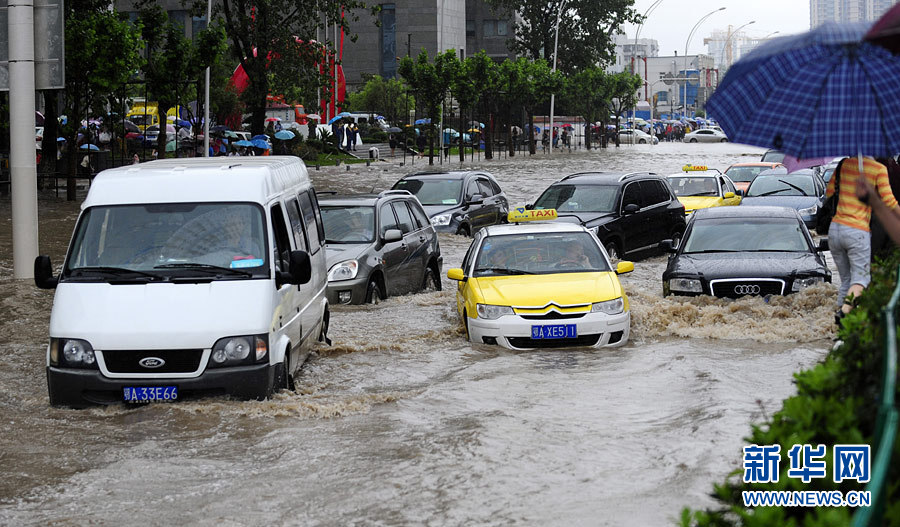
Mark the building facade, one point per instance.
(821, 11)
(629, 53)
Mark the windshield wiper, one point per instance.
(714, 251)
(794, 186)
(216, 269)
(501, 270)
(117, 271)
(769, 193)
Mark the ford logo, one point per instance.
(151, 362)
(746, 289)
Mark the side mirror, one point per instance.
(740, 192)
(668, 246)
(529, 206)
(624, 267)
(822, 247)
(477, 199)
(43, 273)
(728, 195)
(300, 267)
(456, 274)
(631, 208)
(393, 235)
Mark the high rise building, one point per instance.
(821, 11)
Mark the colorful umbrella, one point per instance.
(313, 116)
(423, 121)
(170, 146)
(242, 142)
(284, 135)
(259, 143)
(91, 147)
(272, 119)
(335, 118)
(344, 114)
(260, 137)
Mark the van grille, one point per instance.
(176, 361)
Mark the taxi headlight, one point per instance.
(810, 211)
(685, 285)
(441, 220)
(803, 283)
(345, 270)
(490, 312)
(610, 307)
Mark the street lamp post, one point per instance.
(637, 35)
(686, 44)
(725, 49)
(770, 34)
(555, 47)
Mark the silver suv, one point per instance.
(378, 245)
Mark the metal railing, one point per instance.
(886, 422)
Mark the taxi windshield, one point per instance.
(746, 234)
(694, 186)
(582, 198)
(542, 253)
(169, 239)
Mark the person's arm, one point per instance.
(889, 217)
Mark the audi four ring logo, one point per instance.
(746, 289)
(151, 362)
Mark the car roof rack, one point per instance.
(384, 193)
(632, 174)
(583, 174)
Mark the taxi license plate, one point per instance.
(555, 331)
(150, 394)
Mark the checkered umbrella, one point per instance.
(821, 93)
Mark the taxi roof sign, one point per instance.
(694, 168)
(520, 214)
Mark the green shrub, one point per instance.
(376, 136)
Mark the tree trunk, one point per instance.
(531, 136)
(617, 130)
(431, 144)
(488, 138)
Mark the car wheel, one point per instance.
(464, 230)
(374, 295)
(643, 141)
(431, 282)
(724, 141)
(693, 140)
(283, 379)
(612, 251)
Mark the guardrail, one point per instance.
(887, 420)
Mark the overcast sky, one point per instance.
(671, 21)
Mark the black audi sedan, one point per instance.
(630, 213)
(732, 252)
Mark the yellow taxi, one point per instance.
(699, 187)
(541, 285)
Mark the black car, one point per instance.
(732, 252)
(458, 202)
(378, 245)
(629, 212)
(801, 190)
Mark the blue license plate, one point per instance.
(555, 331)
(150, 394)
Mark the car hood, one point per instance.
(563, 289)
(338, 252)
(434, 210)
(745, 264)
(583, 218)
(699, 202)
(794, 202)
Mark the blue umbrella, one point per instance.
(242, 142)
(91, 147)
(344, 114)
(817, 94)
(335, 118)
(259, 143)
(260, 137)
(284, 135)
(379, 117)
(423, 121)
(60, 139)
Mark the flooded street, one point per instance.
(402, 422)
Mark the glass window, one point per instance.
(198, 24)
(651, 193)
(746, 234)
(727, 185)
(471, 189)
(470, 28)
(419, 214)
(309, 219)
(403, 216)
(282, 251)
(496, 187)
(433, 191)
(349, 224)
(484, 188)
(320, 226)
(744, 174)
(296, 220)
(632, 195)
(168, 237)
(501, 28)
(386, 219)
(782, 185)
(490, 28)
(585, 198)
(543, 253)
(694, 186)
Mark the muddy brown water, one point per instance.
(402, 422)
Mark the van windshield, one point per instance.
(169, 240)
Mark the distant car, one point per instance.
(542, 285)
(801, 190)
(705, 135)
(630, 213)
(826, 171)
(699, 188)
(732, 252)
(634, 136)
(743, 173)
(378, 245)
(772, 156)
(458, 202)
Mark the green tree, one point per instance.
(274, 42)
(102, 54)
(588, 93)
(429, 82)
(485, 76)
(525, 84)
(385, 97)
(622, 95)
(585, 29)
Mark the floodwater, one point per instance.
(402, 422)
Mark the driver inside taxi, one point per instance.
(574, 256)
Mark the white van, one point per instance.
(188, 277)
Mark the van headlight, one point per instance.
(245, 349)
(610, 307)
(72, 353)
(803, 283)
(441, 220)
(685, 285)
(491, 312)
(810, 211)
(345, 270)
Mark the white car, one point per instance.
(705, 135)
(632, 137)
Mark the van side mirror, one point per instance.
(43, 273)
(668, 246)
(822, 247)
(300, 267)
(393, 235)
